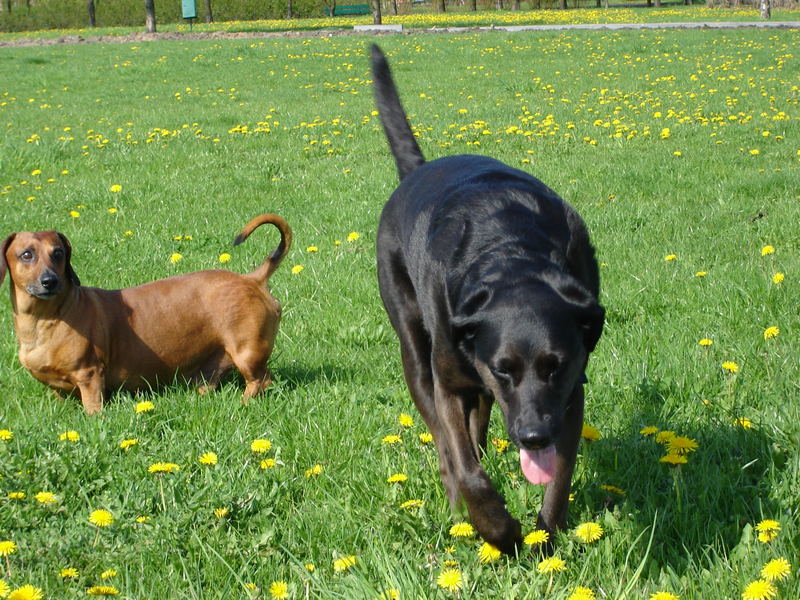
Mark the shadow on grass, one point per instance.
(705, 503)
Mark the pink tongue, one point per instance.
(539, 466)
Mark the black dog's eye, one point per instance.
(26, 256)
(503, 370)
(546, 366)
(58, 254)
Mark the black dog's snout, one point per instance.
(534, 439)
(49, 281)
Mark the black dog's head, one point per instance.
(529, 345)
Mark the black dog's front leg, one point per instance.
(486, 507)
(553, 515)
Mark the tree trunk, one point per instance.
(498, 4)
(289, 14)
(90, 8)
(766, 9)
(515, 5)
(210, 15)
(376, 12)
(441, 6)
(8, 6)
(393, 7)
(562, 4)
(473, 5)
(150, 16)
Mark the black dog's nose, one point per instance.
(49, 281)
(533, 439)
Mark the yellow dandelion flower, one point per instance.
(144, 406)
(101, 518)
(767, 250)
(209, 459)
(767, 530)
(108, 574)
(462, 530)
(143, 519)
(128, 444)
(706, 342)
(681, 445)
(112, 211)
(730, 367)
(6, 435)
(279, 590)
(68, 573)
(759, 590)
(777, 569)
(590, 433)
(102, 590)
(582, 593)
(390, 594)
(45, 497)
(221, 512)
(613, 489)
(701, 274)
(297, 269)
(500, 444)
(310, 567)
(778, 278)
(268, 463)
(663, 596)
(397, 478)
(425, 438)
(344, 563)
(4, 589)
(674, 459)
(670, 257)
(743, 422)
(26, 592)
(70, 436)
(663, 437)
(648, 430)
(115, 188)
(450, 580)
(488, 553)
(405, 420)
(589, 532)
(755, 152)
(224, 257)
(74, 214)
(175, 257)
(392, 439)
(353, 236)
(7, 548)
(163, 467)
(553, 564)
(314, 471)
(413, 503)
(36, 172)
(771, 332)
(261, 446)
(537, 537)
(312, 249)
(16, 495)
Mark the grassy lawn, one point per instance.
(680, 149)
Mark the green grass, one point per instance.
(599, 117)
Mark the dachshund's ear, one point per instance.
(3, 262)
(70, 272)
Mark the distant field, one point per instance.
(680, 149)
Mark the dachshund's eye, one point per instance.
(26, 256)
(58, 254)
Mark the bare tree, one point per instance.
(90, 8)
(150, 16)
(498, 4)
(441, 6)
(376, 12)
(473, 5)
(210, 16)
(288, 9)
(766, 9)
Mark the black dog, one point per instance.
(491, 284)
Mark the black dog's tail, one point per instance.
(402, 142)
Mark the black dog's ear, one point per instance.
(590, 315)
(70, 272)
(3, 262)
(591, 321)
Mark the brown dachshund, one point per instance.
(198, 325)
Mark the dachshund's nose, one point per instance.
(49, 281)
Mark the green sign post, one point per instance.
(189, 10)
